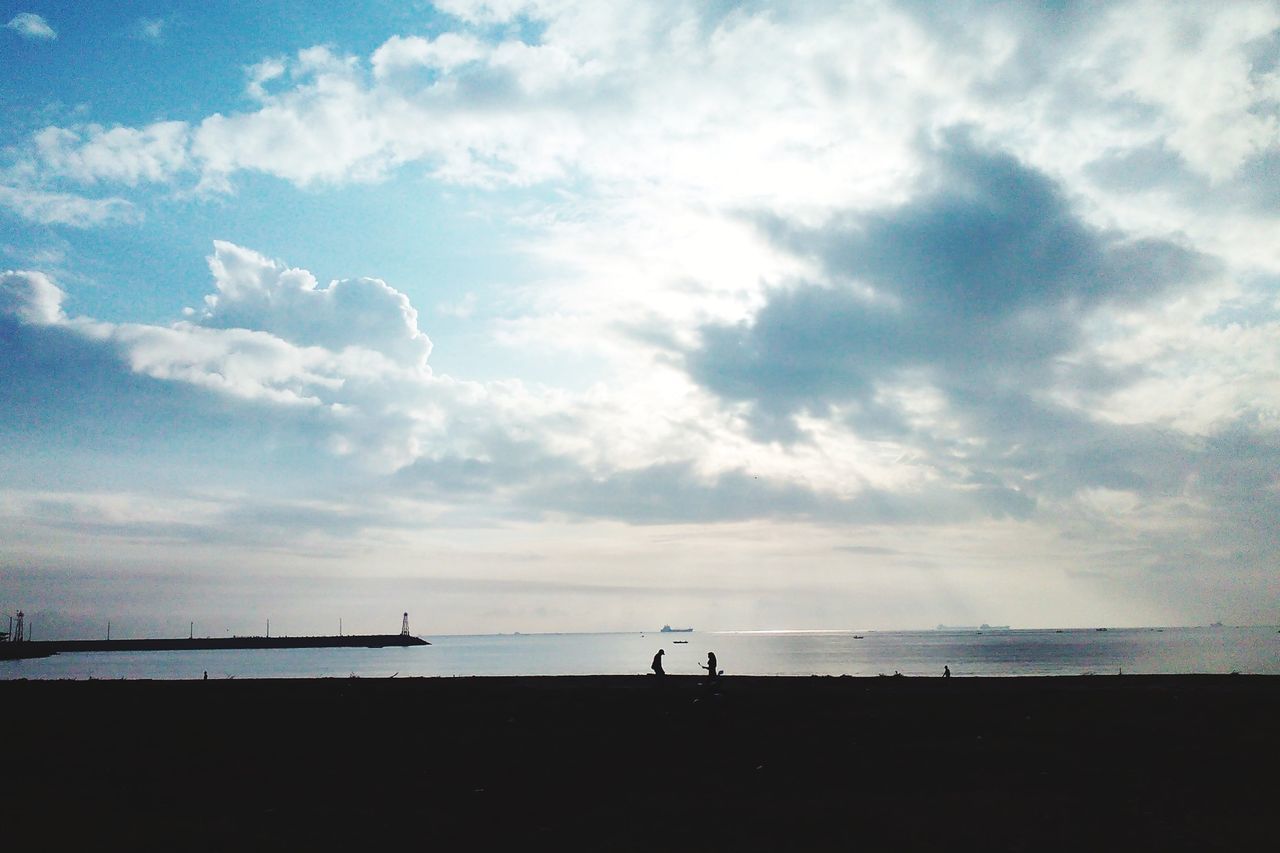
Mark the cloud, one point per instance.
(676, 493)
(804, 107)
(485, 11)
(126, 155)
(53, 208)
(399, 55)
(31, 26)
(955, 326)
(345, 364)
(149, 29)
(256, 293)
(30, 297)
(976, 287)
(807, 302)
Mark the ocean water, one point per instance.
(913, 653)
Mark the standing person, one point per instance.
(656, 666)
(710, 666)
(946, 672)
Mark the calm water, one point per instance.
(1042, 652)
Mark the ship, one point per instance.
(667, 629)
(44, 648)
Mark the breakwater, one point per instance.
(45, 648)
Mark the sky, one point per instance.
(536, 315)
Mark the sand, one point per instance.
(632, 763)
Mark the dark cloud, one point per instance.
(675, 493)
(976, 287)
(975, 290)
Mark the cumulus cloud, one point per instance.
(31, 26)
(346, 363)
(254, 292)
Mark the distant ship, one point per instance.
(667, 629)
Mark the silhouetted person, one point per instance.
(946, 672)
(710, 666)
(657, 663)
(206, 675)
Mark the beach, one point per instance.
(642, 763)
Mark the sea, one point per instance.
(967, 652)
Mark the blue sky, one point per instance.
(558, 316)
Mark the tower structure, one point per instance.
(404, 626)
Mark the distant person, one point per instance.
(946, 672)
(206, 675)
(710, 666)
(656, 666)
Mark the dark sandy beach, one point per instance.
(626, 763)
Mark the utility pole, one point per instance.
(339, 626)
(268, 627)
(108, 630)
(191, 635)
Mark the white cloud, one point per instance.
(121, 154)
(804, 110)
(1189, 63)
(262, 73)
(51, 208)
(149, 29)
(32, 26)
(484, 11)
(257, 293)
(443, 53)
(347, 360)
(31, 297)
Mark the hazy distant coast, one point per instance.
(634, 763)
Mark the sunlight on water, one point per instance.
(913, 653)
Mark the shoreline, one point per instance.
(641, 763)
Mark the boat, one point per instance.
(667, 629)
